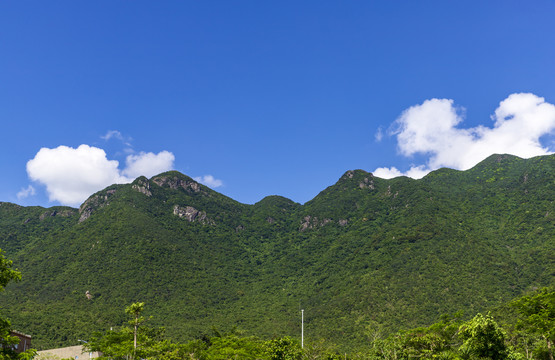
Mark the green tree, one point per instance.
(138, 341)
(483, 338)
(538, 316)
(7, 274)
(232, 346)
(135, 310)
(284, 348)
(115, 344)
(321, 350)
(7, 341)
(429, 342)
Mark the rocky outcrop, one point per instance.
(62, 213)
(311, 222)
(389, 193)
(93, 203)
(191, 214)
(174, 182)
(367, 183)
(142, 185)
(350, 174)
(364, 183)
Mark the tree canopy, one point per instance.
(7, 340)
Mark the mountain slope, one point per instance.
(364, 252)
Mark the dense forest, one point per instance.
(371, 261)
(527, 332)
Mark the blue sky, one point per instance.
(260, 98)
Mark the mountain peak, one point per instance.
(176, 180)
(351, 174)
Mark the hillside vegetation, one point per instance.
(365, 253)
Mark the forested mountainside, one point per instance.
(365, 252)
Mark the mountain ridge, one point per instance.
(188, 181)
(364, 252)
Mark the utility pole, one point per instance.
(302, 329)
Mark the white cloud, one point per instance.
(378, 136)
(71, 175)
(431, 129)
(415, 172)
(26, 192)
(112, 134)
(148, 164)
(209, 181)
(115, 134)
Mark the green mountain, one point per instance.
(365, 253)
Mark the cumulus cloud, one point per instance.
(148, 164)
(26, 192)
(209, 181)
(415, 172)
(431, 129)
(71, 175)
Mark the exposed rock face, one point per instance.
(270, 220)
(191, 214)
(173, 182)
(94, 202)
(85, 214)
(367, 183)
(63, 213)
(142, 186)
(46, 214)
(500, 158)
(388, 192)
(343, 222)
(310, 222)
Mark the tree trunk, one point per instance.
(135, 338)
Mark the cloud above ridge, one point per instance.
(209, 181)
(431, 129)
(26, 192)
(148, 164)
(71, 175)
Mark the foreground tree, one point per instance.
(483, 338)
(137, 341)
(135, 310)
(284, 348)
(538, 316)
(7, 341)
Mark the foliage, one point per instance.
(135, 310)
(8, 341)
(131, 342)
(537, 312)
(450, 338)
(284, 348)
(483, 338)
(391, 253)
(7, 274)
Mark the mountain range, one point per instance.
(365, 254)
